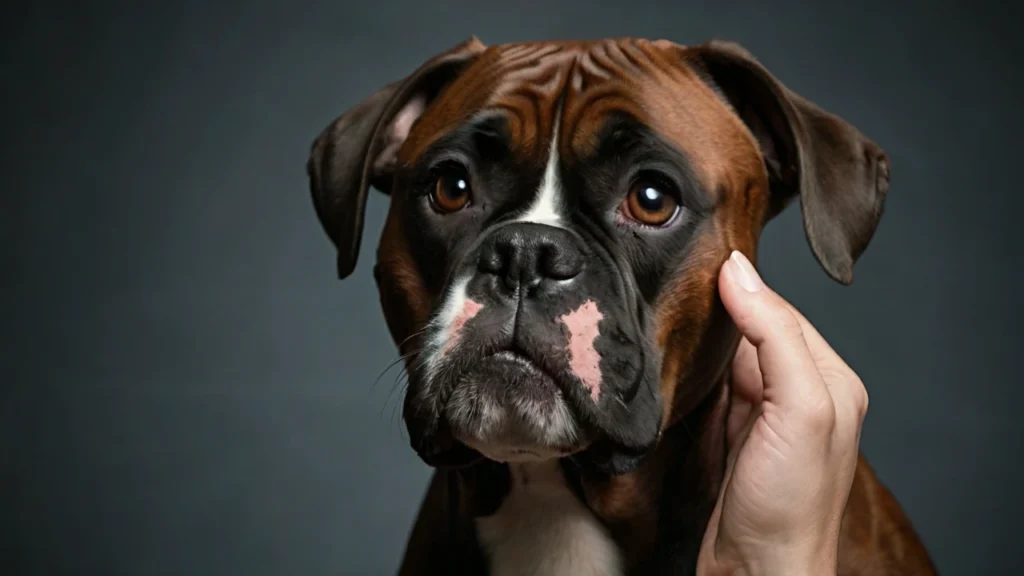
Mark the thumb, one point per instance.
(787, 367)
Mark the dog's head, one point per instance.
(559, 214)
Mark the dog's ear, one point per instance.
(841, 177)
(359, 148)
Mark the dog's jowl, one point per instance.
(548, 270)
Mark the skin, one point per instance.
(793, 435)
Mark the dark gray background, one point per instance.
(187, 387)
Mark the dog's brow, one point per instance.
(493, 126)
(621, 133)
(481, 135)
(624, 138)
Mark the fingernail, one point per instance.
(745, 272)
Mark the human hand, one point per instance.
(793, 438)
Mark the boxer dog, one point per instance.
(548, 270)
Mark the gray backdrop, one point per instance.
(188, 388)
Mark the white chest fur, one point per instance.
(542, 529)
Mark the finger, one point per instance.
(821, 350)
(814, 339)
(710, 540)
(746, 373)
(741, 435)
(847, 390)
(745, 388)
(851, 404)
(788, 371)
(739, 414)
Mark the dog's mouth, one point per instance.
(513, 354)
(517, 359)
(540, 381)
(508, 406)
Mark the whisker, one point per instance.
(385, 371)
(402, 387)
(397, 384)
(411, 336)
(392, 365)
(621, 401)
(401, 429)
(391, 392)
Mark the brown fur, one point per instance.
(653, 82)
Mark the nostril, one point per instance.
(527, 259)
(490, 262)
(493, 260)
(557, 264)
(511, 279)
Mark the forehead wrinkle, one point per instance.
(645, 80)
(487, 127)
(695, 119)
(612, 74)
(469, 93)
(456, 136)
(588, 120)
(527, 81)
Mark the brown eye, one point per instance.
(648, 205)
(451, 192)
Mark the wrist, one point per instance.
(775, 570)
(777, 562)
(789, 565)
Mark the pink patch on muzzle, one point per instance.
(469, 310)
(584, 361)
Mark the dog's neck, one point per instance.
(640, 512)
(543, 528)
(635, 508)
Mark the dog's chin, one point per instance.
(510, 454)
(509, 410)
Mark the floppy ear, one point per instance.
(359, 148)
(841, 176)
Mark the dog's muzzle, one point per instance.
(534, 347)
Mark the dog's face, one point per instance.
(559, 213)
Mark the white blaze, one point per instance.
(547, 207)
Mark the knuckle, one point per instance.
(787, 323)
(821, 415)
(860, 398)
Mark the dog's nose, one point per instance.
(530, 257)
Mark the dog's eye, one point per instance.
(647, 204)
(451, 191)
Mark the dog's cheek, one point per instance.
(582, 327)
(684, 318)
(403, 295)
